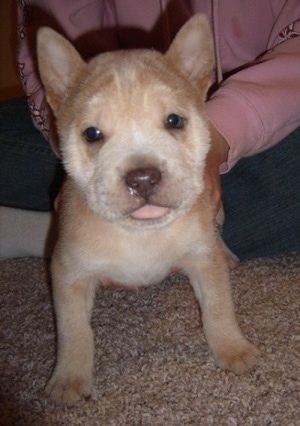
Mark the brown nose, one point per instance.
(143, 181)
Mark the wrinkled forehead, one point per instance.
(134, 81)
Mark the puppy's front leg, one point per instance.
(73, 301)
(209, 277)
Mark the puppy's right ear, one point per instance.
(59, 65)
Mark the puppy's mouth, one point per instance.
(149, 211)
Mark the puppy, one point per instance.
(134, 138)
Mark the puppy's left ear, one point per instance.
(59, 66)
(192, 52)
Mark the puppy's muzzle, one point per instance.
(143, 182)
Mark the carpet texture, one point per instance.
(152, 365)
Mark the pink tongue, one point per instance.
(149, 212)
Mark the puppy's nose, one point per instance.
(143, 182)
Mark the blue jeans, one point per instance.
(261, 194)
(30, 174)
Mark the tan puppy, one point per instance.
(134, 139)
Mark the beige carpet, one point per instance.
(152, 364)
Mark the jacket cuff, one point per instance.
(238, 122)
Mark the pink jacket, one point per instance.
(257, 51)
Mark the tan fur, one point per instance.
(128, 95)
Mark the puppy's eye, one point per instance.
(175, 121)
(92, 134)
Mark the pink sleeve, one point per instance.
(72, 20)
(258, 106)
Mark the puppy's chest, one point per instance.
(137, 262)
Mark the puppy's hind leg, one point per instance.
(209, 276)
(73, 301)
(232, 259)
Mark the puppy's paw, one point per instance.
(239, 356)
(67, 389)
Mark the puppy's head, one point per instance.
(132, 125)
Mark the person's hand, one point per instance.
(217, 155)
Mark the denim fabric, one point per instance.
(261, 194)
(30, 174)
